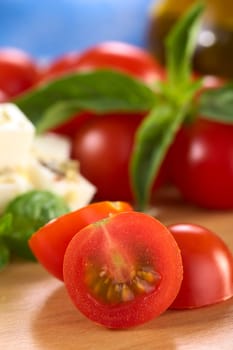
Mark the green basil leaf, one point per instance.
(180, 46)
(152, 141)
(217, 104)
(30, 211)
(4, 255)
(5, 224)
(99, 91)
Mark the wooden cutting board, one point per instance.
(37, 314)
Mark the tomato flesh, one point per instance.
(208, 267)
(49, 243)
(124, 270)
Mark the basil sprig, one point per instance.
(157, 132)
(100, 91)
(105, 91)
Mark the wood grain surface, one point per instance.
(37, 314)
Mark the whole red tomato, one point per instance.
(18, 71)
(103, 146)
(124, 270)
(49, 243)
(201, 163)
(208, 267)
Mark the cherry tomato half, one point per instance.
(208, 267)
(49, 243)
(18, 71)
(201, 163)
(124, 270)
(103, 146)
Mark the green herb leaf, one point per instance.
(158, 130)
(180, 46)
(5, 224)
(99, 91)
(217, 104)
(152, 141)
(4, 255)
(30, 211)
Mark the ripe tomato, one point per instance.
(208, 267)
(123, 57)
(49, 243)
(18, 71)
(201, 163)
(124, 270)
(103, 146)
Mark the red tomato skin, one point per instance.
(135, 232)
(201, 164)
(18, 71)
(208, 267)
(123, 57)
(71, 126)
(49, 243)
(103, 146)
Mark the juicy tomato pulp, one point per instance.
(49, 243)
(18, 71)
(103, 146)
(124, 270)
(208, 267)
(201, 163)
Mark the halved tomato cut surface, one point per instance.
(123, 270)
(49, 243)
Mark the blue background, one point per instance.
(49, 28)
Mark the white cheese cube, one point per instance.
(51, 146)
(16, 136)
(12, 183)
(70, 185)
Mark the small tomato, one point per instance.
(208, 267)
(49, 243)
(124, 270)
